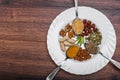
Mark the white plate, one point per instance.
(107, 47)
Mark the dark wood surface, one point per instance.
(23, 30)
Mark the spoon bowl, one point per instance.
(77, 24)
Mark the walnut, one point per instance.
(68, 27)
(71, 34)
(62, 33)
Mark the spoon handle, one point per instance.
(116, 63)
(76, 7)
(53, 73)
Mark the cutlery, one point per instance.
(77, 22)
(54, 72)
(114, 62)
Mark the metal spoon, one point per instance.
(54, 72)
(114, 62)
(77, 24)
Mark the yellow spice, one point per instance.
(72, 51)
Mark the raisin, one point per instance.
(89, 22)
(84, 21)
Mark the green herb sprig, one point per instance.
(80, 40)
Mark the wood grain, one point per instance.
(23, 30)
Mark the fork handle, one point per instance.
(116, 63)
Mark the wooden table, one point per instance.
(23, 30)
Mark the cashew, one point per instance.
(71, 41)
(63, 39)
(67, 43)
(62, 46)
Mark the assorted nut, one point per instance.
(68, 27)
(71, 34)
(83, 30)
(67, 31)
(62, 46)
(63, 39)
(83, 54)
(62, 33)
(66, 41)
